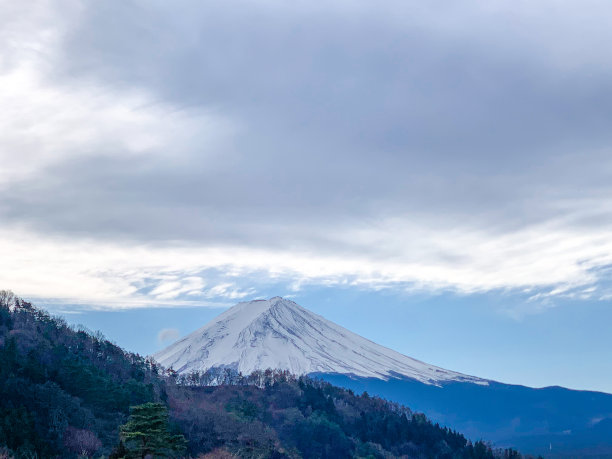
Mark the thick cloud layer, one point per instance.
(447, 146)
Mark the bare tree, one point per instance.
(7, 299)
(81, 441)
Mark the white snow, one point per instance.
(278, 333)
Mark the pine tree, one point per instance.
(147, 433)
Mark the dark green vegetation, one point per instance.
(66, 392)
(147, 432)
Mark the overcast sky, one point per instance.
(198, 153)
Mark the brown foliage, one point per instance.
(218, 453)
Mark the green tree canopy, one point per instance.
(147, 433)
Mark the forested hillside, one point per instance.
(60, 387)
(65, 392)
(274, 414)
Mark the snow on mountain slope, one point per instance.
(278, 333)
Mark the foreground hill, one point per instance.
(59, 385)
(302, 417)
(65, 392)
(279, 333)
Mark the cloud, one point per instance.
(173, 286)
(42, 126)
(168, 335)
(118, 275)
(396, 145)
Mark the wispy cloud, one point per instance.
(168, 335)
(175, 286)
(547, 262)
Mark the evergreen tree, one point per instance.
(147, 432)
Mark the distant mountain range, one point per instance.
(280, 334)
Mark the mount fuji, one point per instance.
(279, 334)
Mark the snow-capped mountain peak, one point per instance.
(278, 333)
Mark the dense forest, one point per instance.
(68, 392)
(60, 385)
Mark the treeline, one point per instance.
(67, 392)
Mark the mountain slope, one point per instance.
(549, 421)
(280, 334)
